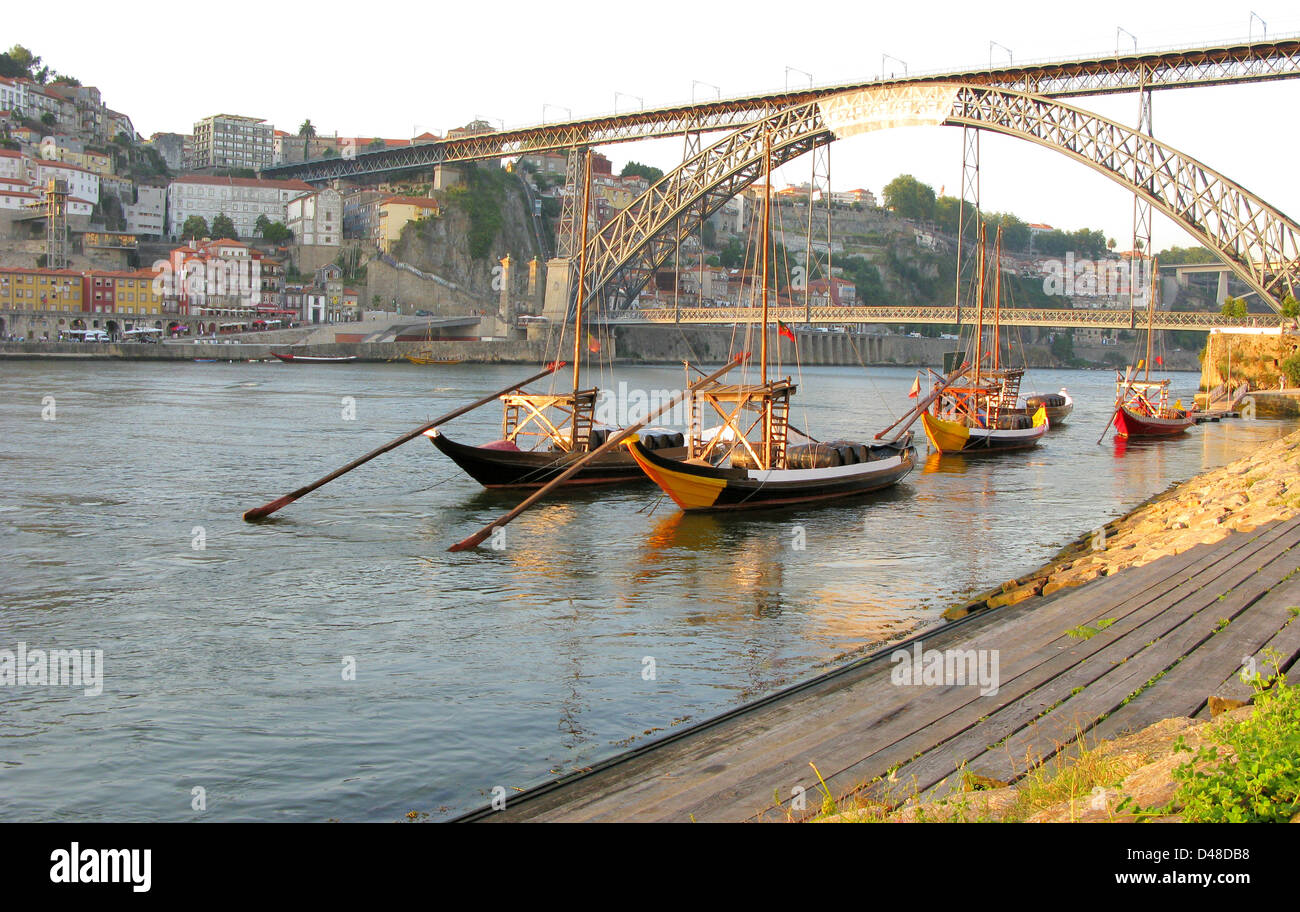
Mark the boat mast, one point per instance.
(1151, 313)
(767, 209)
(997, 299)
(979, 309)
(582, 286)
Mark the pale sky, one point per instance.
(398, 69)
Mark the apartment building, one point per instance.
(233, 141)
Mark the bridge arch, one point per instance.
(1255, 239)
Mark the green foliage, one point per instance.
(196, 226)
(1258, 780)
(870, 289)
(1235, 308)
(1290, 307)
(482, 197)
(1291, 370)
(48, 119)
(276, 233)
(1185, 256)
(223, 227)
(910, 198)
(709, 236)
(306, 130)
(1084, 632)
(636, 169)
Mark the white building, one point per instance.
(12, 165)
(242, 199)
(148, 214)
(81, 182)
(233, 141)
(316, 218)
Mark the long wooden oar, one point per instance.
(264, 511)
(478, 537)
(1119, 398)
(915, 411)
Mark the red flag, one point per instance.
(916, 388)
(1160, 360)
(783, 330)
(593, 344)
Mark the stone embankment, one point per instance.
(1240, 496)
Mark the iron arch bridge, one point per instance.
(1257, 241)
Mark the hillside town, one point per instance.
(104, 230)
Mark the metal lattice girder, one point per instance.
(1011, 316)
(570, 228)
(1260, 243)
(623, 256)
(1207, 65)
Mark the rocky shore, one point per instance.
(1240, 496)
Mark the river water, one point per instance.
(338, 663)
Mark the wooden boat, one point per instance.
(749, 462)
(313, 359)
(428, 359)
(1144, 410)
(544, 434)
(980, 412)
(1142, 407)
(1057, 405)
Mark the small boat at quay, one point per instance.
(313, 359)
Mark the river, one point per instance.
(338, 663)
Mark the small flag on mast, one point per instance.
(1160, 361)
(783, 330)
(916, 388)
(593, 344)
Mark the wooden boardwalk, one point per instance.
(1178, 630)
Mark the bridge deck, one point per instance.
(1167, 642)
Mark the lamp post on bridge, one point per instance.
(992, 45)
(639, 100)
(700, 82)
(568, 111)
(790, 69)
(1120, 29)
(884, 57)
(1250, 24)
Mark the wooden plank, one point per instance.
(972, 747)
(1184, 688)
(1286, 643)
(1178, 632)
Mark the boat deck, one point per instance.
(1178, 631)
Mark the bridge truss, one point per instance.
(1260, 243)
(1217, 64)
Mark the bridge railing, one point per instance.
(1083, 319)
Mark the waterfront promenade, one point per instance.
(1096, 661)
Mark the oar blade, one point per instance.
(259, 513)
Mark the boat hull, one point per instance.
(514, 468)
(1129, 424)
(313, 359)
(697, 488)
(951, 437)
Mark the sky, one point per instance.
(404, 68)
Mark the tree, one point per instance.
(260, 226)
(636, 169)
(223, 227)
(307, 132)
(276, 233)
(910, 198)
(48, 119)
(1234, 308)
(1290, 307)
(195, 227)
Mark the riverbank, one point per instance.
(1241, 496)
(1148, 774)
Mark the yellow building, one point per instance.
(40, 289)
(396, 211)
